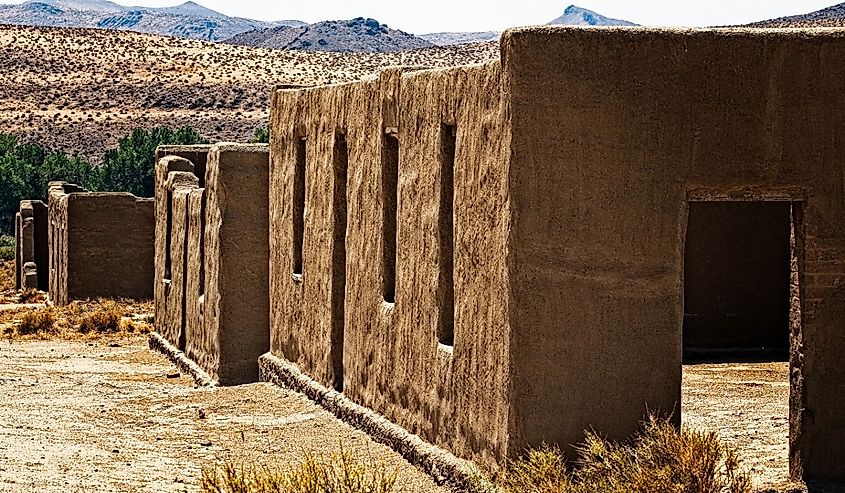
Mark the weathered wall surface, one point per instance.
(165, 164)
(212, 252)
(31, 246)
(335, 318)
(606, 155)
(100, 245)
(236, 304)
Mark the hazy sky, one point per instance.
(424, 16)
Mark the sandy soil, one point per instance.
(748, 406)
(113, 416)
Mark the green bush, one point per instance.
(25, 169)
(261, 136)
(7, 247)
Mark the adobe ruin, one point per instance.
(31, 252)
(99, 245)
(531, 283)
(211, 263)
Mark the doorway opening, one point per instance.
(741, 305)
(737, 278)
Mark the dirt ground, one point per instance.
(113, 416)
(748, 406)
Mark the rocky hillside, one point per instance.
(189, 20)
(454, 38)
(83, 89)
(577, 16)
(358, 35)
(830, 17)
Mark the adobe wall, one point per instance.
(31, 246)
(332, 318)
(100, 245)
(212, 253)
(606, 155)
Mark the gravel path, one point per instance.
(113, 416)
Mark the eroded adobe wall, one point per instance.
(110, 246)
(334, 312)
(196, 154)
(235, 303)
(199, 346)
(166, 164)
(606, 154)
(57, 193)
(31, 246)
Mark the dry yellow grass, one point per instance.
(340, 473)
(659, 458)
(7, 275)
(80, 319)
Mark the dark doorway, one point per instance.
(737, 271)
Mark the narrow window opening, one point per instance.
(299, 206)
(389, 189)
(341, 164)
(168, 257)
(202, 246)
(446, 289)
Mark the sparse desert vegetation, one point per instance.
(338, 473)
(80, 319)
(81, 90)
(660, 458)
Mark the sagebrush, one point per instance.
(660, 458)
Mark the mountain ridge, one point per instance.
(359, 35)
(188, 20)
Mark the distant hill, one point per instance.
(454, 38)
(188, 20)
(830, 17)
(357, 35)
(572, 16)
(577, 16)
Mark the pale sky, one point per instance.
(425, 16)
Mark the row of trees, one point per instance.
(25, 169)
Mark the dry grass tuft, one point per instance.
(7, 275)
(82, 319)
(41, 322)
(103, 321)
(32, 296)
(658, 459)
(316, 474)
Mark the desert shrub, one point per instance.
(7, 247)
(336, 474)
(31, 296)
(106, 320)
(659, 458)
(261, 136)
(7, 275)
(37, 322)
